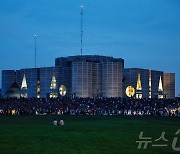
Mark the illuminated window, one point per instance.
(53, 82)
(150, 84)
(130, 91)
(138, 96)
(160, 88)
(24, 83)
(24, 87)
(62, 90)
(25, 95)
(53, 95)
(38, 89)
(139, 87)
(160, 96)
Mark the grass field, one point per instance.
(84, 134)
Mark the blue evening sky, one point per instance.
(146, 33)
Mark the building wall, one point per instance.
(8, 78)
(169, 85)
(130, 77)
(65, 73)
(89, 76)
(97, 80)
(86, 79)
(155, 82)
(46, 74)
(31, 75)
(112, 79)
(82, 79)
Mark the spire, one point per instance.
(139, 87)
(35, 37)
(24, 83)
(53, 82)
(160, 88)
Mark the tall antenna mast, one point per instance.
(81, 26)
(35, 36)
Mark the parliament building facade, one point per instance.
(87, 76)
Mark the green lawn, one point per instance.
(84, 134)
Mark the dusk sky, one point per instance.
(145, 33)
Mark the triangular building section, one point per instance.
(160, 88)
(24, 83)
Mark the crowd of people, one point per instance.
(90, 106)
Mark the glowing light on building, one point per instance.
(24, 83)
(38, 89)
(130, 91)
(53, 93)
(24, 87)
(160, 88)
(139, 87)
(62, 90)
(25, 95)
(150, 84)
(53, 82)
(138, 96)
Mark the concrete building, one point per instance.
(112, 79)
(28, 82)
(8, 78)
(137, 79)
(143, 83)
(88, 76)
(169, 85)
(49, 82)
(80, 76)
(91, 76)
